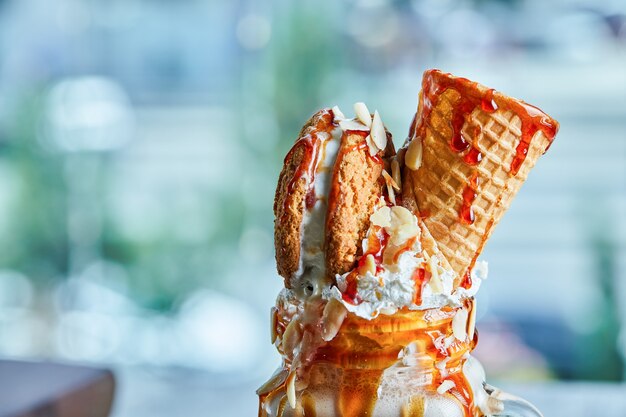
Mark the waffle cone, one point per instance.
(451, 185)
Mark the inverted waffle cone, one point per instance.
(437, 187)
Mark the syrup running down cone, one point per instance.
(477, 147)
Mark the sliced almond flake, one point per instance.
(472, 323)
(412, 348)
(371, 146)
(435, 281)
(435, 285)
(395, 173)
(459, 325)
(279, 377)
(338, 114)
(447, 341)
(445, 386)
(389, 179)
(403, 225)
(368, 266)
(392, 194)
(388, 311)
(352, 124)
(378, 133)
(363, 114)
(381, 217)
(441, 365)
(410, 361)
(332, 318)
(402, 216)
(273, 322)
(292, 337)
(291, 389)
(413, 156)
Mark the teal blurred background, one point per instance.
(140, 144)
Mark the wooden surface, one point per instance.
(38, 389)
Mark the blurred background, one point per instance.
(140, 144)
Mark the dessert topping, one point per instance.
(413, 157)
(381, 217)
(378, 133)
(352, 124)
(435, 281)
(390, 180)
(371, 146)
(459, 324)
(466, 212)
(395, 173)
(273, 319)
(419, 277)
(292, 336)
(472, 97)
(471, 326)
(368, 265)
(403, 225)
(539, 122)
(445, 386)
(338, 114)
(363, 114)
(291, 389)
(332, 318)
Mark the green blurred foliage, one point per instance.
(36, 242)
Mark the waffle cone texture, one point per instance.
(493, 126)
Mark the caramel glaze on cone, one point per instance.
(478, 147)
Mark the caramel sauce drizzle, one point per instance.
(471, 97)
(420, 277)
(362, 146)
(376, 243)
(308, 405)
(408, 245)
(310, 145)
(533, 119)
(466, 212)
(359, 400)
(364, 349)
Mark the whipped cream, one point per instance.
(311, 277)
(393, 285)
(313, 221)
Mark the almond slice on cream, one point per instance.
(363, 114)
(459, 324)
(389, 179)
(352, 124)
(445, 386)
(395, 173)
(291, 389)
(413, 156)
(371, 146)
(381, 217)
(338, 114)
(378, 133)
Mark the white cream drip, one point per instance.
(311, 272)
